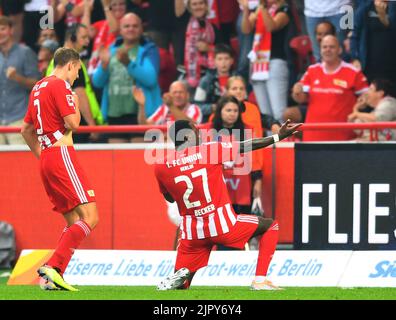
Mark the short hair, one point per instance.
(333, 30)
(5, 21)
(176, 128)
(224, 48)
(384, 85)
(71, 32)
(64, 55)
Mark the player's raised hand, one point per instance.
(287, 129)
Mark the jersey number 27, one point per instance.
(190, 187)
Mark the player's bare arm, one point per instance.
(285, 131)
(29, 134)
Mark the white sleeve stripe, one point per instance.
(200, 225)
(223, 221)
(188, 227)
(230, 214)
(212, 225)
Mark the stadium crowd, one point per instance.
(155, 61)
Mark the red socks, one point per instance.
(267, 248)
(69, 241)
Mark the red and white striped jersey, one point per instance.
(162, 115)
(194, 179)
(50, 101)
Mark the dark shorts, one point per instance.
(127, 119)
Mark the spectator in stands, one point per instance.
(323, 29)
(176, 106)
(324, 10)
(18, 74)
(373, 45)
(33, 19)
(297, 112)
(131, 60)
(251, 115)
(71, 10)
(46, 34)
(213, 84)
(77, 38)
(167, 29)
(103, 32)
(229, 127)
(245, 41)
(332, 87)
(46, 54)
(14, 10)
(201, 37)
(228, 12)
(269, 68)
(381, 97)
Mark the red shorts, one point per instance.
(194, 254)
(63, 178)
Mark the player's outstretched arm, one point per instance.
(285, 131)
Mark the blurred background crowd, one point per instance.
(151, 62)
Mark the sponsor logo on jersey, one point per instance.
(340, 83)
(70, 100)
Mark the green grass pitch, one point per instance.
(194, 293)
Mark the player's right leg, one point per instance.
(269, 229)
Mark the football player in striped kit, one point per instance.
(192, 175)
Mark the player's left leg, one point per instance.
(246, 227)
(81, 220)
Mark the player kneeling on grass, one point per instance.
(53, 113)
(192, 175)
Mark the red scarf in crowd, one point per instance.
(194, 60)
(261, 50)
(213, 15)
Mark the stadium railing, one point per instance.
(373, 127)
